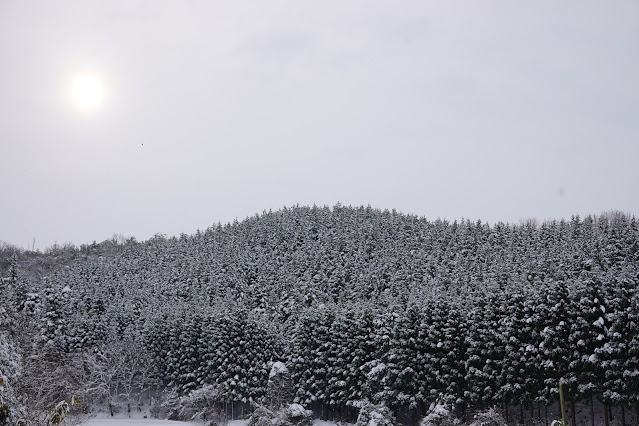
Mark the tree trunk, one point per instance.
(623, 414)
(572, 411)
(521, 413)
(546, 414)
(539, 410)
(506, 411)
(610, 416)
(606, 418)
(592, 410)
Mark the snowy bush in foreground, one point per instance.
(57, 415)
(490, 417)
(262, 416)
(202, 404)
(167, 406)
(293, 414)
(374, 414)
(290, 415)
(440, 414)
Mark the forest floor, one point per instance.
(135, 422)
(126, 421)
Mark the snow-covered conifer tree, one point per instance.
(310, 357)
(485, 351)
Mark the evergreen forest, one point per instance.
(358, 304)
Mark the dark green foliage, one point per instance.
(556, 317)
(230, 349)
(485, 351)
(310, 356)
(4, 415)
(410, 368)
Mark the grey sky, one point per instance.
(215, 110)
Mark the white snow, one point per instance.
(156, 422)
(150, 422)
(377, 369)
(278, 367)
(136, 422)
(297, 410)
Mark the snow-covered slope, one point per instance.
(135, 422)
(125, 421)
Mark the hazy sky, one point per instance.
(216, 110)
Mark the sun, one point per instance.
(87, 92)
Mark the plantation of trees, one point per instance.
(359, 305)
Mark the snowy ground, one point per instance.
(155, 422)
(125, 421)
(135, 422)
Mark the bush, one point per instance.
(293, 414)
(290, 415)
(202, 404)
(440, 414)
(262, 416)
(166, 406)
(374, 415)
(490, 417)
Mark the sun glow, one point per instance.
(87, 92)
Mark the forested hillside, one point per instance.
(358, 304)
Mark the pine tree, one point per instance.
(631, 362)
(556, 314)
(485, 352)
(614, 355)
(453, 349)
(53, 337)
(189, 356)
(588, 337)
(309, 357)
(410, 369)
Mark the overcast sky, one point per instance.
(216, 110)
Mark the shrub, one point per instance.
(490, 417)
(290, 415)
(374, 414)
(262, 416)
(293, 414)
(440, 414)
